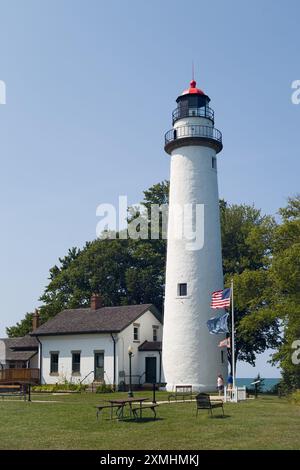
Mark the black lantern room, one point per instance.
(193, 102)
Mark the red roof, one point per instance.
(193, 90)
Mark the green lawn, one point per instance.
(265, 423)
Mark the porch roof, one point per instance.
(20, 349)
(19, 355)
(150, 346)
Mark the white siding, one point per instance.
(2, 352)
(87, 344)
(159, 369)
(146, 322)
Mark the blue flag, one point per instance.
(218, 325)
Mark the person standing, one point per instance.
(220, 384)
(230, 382)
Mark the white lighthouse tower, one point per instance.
(190, 354)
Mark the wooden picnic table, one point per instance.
(122, 402)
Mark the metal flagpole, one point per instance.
(232, 336)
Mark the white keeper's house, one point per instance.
(92, 345)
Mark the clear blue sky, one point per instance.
(90, 90)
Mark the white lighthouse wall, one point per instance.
(197, 121)
(190, 354)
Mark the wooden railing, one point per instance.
(20, 375)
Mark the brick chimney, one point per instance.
(35, 320)
(96, 301)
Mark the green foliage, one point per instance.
(295, 398)
(104, 388)
(21, 328)
(285, 276)
(63, 387)
(247, 245)
(246, 238)
(257, 327)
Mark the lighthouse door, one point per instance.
(150, 367)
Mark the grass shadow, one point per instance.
(221, 416)
(141, 420)
(217, 416)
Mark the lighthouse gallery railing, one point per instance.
(193, 131)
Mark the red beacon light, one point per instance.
(193, 90)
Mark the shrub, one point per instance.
(60, 387)
(103, 388)
(295, 397)
(281, 389)
(43, 388)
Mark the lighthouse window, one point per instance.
(182, 289)
(214, 163)
(193, 102)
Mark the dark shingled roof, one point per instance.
(15, 348)
(150, 346)
(24, 343)
(19, 355)
(85, 320)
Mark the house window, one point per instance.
(155, 332)
(76, 362)
(54, 363)
(182, 289)
(214, 163)
(136, 333)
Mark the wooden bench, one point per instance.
(119, 411)
(12, 391)
(137, 412)
(204, 402)
(182, 391)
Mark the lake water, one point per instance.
(268, 384)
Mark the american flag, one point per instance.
(221, 298)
